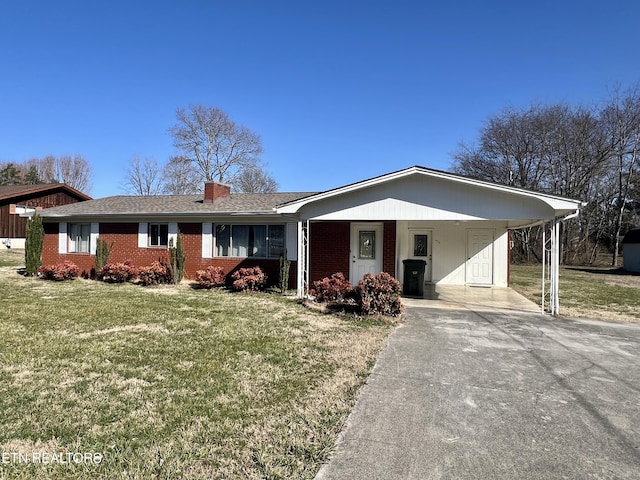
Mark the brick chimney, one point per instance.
(214, 190)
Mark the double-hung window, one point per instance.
(158, 234)
(262, 241)
(79, 237)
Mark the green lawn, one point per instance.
(11, 257)
(591, 292)
(168, 382)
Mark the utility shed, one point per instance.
(631, 250)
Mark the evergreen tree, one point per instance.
(33, 244)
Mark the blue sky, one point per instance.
(338, 90)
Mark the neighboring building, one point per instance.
(460, 226)
(18, 202)
(631, 250)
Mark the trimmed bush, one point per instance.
(118, 272)
(211, 277)
(250, 279)
(331, 289)
(59, 272)
(379, 295)
(157, 273)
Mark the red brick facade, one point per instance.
(330, 249)
(124, 238)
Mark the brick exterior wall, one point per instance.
(329, 249)
(389, 248)
(124, 237)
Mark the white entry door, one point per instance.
(366, 250)
(480, 257)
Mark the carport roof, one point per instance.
(561, 206)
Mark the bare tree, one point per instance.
(622, 120)
(555, 149)
(255, 180)
(180, 178)
(143, 176)
(217, 148)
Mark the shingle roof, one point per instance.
(122, 205)
(12, 191)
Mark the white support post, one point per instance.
(556, 281)
(544, 264)
(303, 258)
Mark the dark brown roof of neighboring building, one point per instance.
(632, 236)
(124, 205)
(8, 192)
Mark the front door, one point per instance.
(366, 250)
(480, 257)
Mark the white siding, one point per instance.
(292, 241)
(142, 234)
(93, 238)
(62, 237)
(172, 239)
(449, 249)
(207, 240)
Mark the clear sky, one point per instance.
(338, 90)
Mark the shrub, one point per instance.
(177, 259)
(379, 295)
(33, 244)
(211, 277)
(118, 272)
(103, 249)
(285, 266)
(250, 279)
(61, 271)
(331, 289)
(155, 274)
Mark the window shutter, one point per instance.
(62, 237)
(93, 238)
(173, 234)
(207, 240)
(142, 234)
(292, 241)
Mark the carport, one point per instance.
(457, 225)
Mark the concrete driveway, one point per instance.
(475, 390)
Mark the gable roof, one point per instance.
(10, 192)
(176, 205)
(560, 204)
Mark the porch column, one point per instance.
(554, 269)
(303, 258)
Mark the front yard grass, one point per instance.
(588, 292)
(171, 382)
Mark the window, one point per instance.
(158, 234)
(262, 241)
(420, 245)
(367, 245)
(79, 234)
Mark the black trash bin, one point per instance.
(413, 277)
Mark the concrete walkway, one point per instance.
(469, 390)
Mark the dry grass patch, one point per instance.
(599, 293)
(180, 384)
